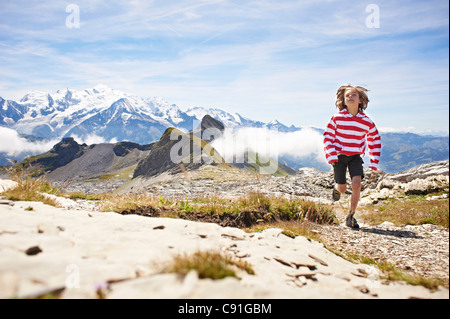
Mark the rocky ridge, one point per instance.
(69, 161)
(307, 182)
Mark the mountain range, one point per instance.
(121, 162)
(115, 116)
(109, 113)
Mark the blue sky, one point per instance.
(265, 60)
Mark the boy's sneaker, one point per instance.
(335, 194)
(351, 222)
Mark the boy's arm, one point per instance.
(328, 142)
(374, 146)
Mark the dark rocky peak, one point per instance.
(61, 154)
(67, 144)
(210, 122)
(124, 148)
(209, 129)
(159, 159)
(175, 150)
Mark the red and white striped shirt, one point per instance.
(348, 135)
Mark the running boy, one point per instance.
(345, 140)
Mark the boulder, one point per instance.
(423, 171)
(425, 186)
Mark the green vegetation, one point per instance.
(208, 264)
(414, 210)
(258, 206)
(80, 195)
(29, 188)
(290, 229)
(273, 208)
(390, 272)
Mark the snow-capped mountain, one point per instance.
(10, 112)
(98, 111)
(105, 112)
(108, 113)
(235, 120)
(228, 119)
(170, 114)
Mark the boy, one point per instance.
(345, 140)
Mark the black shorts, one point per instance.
(354, 164)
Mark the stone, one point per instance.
(423, 171)
(34, 250)
(308, 275)
(425, 186)
(320, 261)
(282, 261)
(6, 202)
(303, 264)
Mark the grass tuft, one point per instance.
(208, 264)
(414, 210)
(28, 187)
(391, 272)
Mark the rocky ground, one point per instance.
(67, 253)
(419, 250)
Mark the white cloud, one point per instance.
(92, 139)
(12, 144)
(271, 143)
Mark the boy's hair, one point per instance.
(340, 97)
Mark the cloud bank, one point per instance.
(272, 143)
(13, 144)
(92, 139)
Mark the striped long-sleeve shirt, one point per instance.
(348, 135)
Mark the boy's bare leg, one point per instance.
(356, 191)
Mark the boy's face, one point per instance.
(351, 98)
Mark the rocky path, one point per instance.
(420, 249)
